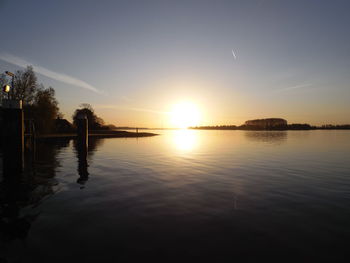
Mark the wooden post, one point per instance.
(82, 148)
(83, 165)
(82, 130)
(13, 136)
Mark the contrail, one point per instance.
(300, 86)
(49, 73)
(149, 110)
(130, 108)
(234, 55)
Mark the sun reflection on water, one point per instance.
(185, 140)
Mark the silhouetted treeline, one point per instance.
(40, 105)
(298, 126)
(294, 126)
(94, 122)
(335, 127)
(262, 128)
(217, 127)
(272, 124)
(266, 124)
(63, 126)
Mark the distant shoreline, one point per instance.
(273, 124)
(347, 127)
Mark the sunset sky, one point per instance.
(134, 61)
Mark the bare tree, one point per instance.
(25, 86)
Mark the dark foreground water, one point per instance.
(218, 196)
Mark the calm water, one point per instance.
(185, 195)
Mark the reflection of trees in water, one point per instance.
(266, 136)
(46, 162)
(27, 189)
(84, 153)
(94, 143)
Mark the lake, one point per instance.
(185, 195)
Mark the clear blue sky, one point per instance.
(133, 59)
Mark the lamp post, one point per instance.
(12, 81)
(12, 132)
(6, 89)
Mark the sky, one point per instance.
(234, 60)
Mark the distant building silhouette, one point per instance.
(270, 123)
(63, 126)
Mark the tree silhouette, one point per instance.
(94, 122)
(45, 109)
(25, 86)
(39, 103)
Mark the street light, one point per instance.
(6, 88)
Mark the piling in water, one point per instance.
(82, 148)
(13, 136)
(82, 130)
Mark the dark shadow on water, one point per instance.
(94, 144)
(273, 137)
(27, 189)
(84, 153)
(125, 229)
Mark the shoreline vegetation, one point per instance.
(42, 117)
(288, 128)
(96, 134)
(271, 124)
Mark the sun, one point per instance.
(184, 115)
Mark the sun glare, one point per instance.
(184, 115)
(185, 140)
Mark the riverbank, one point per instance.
(97, 134)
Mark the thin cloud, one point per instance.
(148, 110)
(300, 86)
(129, 108)
(49, 73)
